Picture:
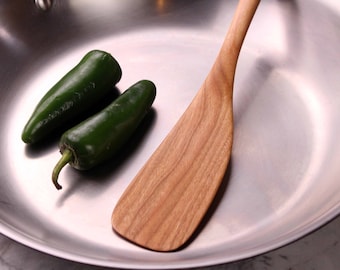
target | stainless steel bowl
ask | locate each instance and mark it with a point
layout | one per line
(283, 178)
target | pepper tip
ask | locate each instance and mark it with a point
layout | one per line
(66, 157)
(57, 185)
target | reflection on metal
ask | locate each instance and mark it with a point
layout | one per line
(44, 4)
(10, 41)
(160, 5)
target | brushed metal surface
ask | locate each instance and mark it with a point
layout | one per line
(283, 178)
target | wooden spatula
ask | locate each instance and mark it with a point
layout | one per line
(166, 201)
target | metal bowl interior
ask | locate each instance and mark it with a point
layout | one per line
(282, 181)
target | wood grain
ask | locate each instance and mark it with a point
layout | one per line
(168, 198)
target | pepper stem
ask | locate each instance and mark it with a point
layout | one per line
(66, 157)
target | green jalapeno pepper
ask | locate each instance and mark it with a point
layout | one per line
(82, 87)
(99, 137)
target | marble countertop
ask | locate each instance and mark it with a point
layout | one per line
(317, 251)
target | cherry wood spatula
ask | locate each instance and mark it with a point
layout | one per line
(165, 203)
